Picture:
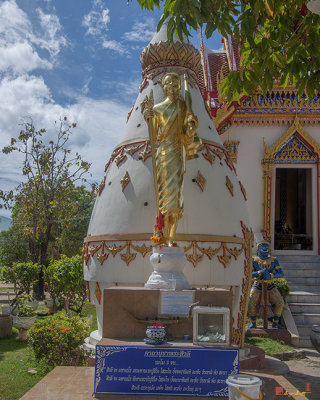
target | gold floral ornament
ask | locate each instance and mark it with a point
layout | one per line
(102, 256)
(128, 257)
(125, 180)
(200, 181)
(143, 249)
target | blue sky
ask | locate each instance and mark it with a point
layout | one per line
(78, 58)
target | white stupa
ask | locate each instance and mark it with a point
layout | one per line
(214, 229)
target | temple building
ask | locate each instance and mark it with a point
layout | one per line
(274, 142)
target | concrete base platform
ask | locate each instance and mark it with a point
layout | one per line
(76, 383)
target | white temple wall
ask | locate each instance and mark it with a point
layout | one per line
(249, 167)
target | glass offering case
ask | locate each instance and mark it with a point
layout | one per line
(211, 326)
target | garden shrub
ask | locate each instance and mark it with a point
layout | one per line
(66, 283)
(283, 287)
(22, 275)
(56, 340)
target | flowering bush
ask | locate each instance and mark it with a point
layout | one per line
(56, 340)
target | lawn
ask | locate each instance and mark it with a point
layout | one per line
(268, 345)
(16, 358)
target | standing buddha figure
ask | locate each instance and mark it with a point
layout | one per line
(173, 127)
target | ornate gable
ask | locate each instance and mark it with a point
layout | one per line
(294, 146)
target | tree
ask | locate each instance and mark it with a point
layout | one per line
(13, 246)
(278, 39)
(46, 196)
(66, 283)
(74, 226)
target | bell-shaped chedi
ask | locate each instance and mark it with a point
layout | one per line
(213, 226)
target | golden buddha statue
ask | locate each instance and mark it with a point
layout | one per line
(172, 127)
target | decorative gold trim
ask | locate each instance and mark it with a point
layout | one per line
(194, 258)
(101, 186)
(143, 250)
(163, 55)
(222, 114)
(232, 148)
(125, 180)
(183, 237)
(238, 332)
(200, 181)
(243, 190)
(272, 157)
(128, 257)
(296, 127)
(98, 293)
(273, 119)
(229, 185)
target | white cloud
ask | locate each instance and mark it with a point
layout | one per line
(52, 40)
(141, 31)
(14, 23)
(19, 42)
(115, 46)
(85, 87)
(99, 123)
(20, 58)
(97, 20)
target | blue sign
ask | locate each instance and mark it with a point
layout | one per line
(164, 370)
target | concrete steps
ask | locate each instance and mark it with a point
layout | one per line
(303, 276)
(301, 307)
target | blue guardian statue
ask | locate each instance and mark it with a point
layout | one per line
(264, 269)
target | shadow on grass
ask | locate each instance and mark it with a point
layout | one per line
(11, 344)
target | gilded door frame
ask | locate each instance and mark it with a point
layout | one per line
(284, 152)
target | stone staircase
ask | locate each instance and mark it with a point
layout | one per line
(303, 276)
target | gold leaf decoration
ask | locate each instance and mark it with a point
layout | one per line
(194, 258)
(102, 257)
(101, 186)
(128, 257)
(125, 180)
(94, 249)
(243, 190)
(232, 148)
(118, 160)
(142, 249)
(200, 181)
(229, 185)
(114, 250)
(98, 293)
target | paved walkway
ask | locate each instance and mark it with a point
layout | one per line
(294, 379)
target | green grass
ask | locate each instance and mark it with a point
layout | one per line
(90, 310)
(15, 359)
(270, 346)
